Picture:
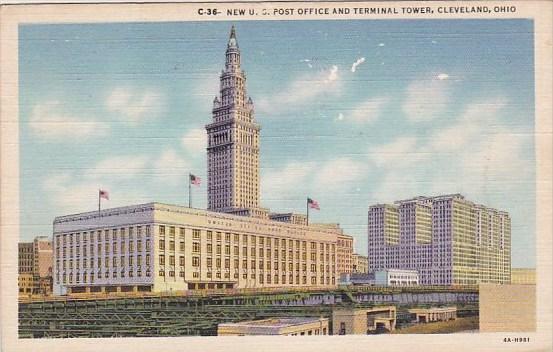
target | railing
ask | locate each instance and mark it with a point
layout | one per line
(248, 292)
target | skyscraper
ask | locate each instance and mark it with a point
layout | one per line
(447, 239)
(233, 143)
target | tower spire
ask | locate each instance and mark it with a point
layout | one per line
(232, 42)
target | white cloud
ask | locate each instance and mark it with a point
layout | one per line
(119, 166)
(442, 76)
(195, 141)
(475, 155)
(357, 63)
(303, 90)
(340, 117)
(170, 167)
(338, 174)
(332, 75)
(286, 180)
(308, 62)
(426, 99)
(134, 106)
(129, 179)
(49, 120)
(206, 88)
(394, 154)
(497, 160)
(369, 110)
(471, 126)
(70, 194)
(299, 178)
(381, 44)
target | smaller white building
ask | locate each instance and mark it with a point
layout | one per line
(396, 277)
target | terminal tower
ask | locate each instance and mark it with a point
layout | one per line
(233, 143)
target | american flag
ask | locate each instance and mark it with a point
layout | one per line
(313, 204)
(103, 194)
(195, 180)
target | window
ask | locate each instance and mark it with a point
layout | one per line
(171, 245)
(209, 235)
(209, 262)
(162, 230)
(196, 234)
(172, 260)
(161, 259)
(195, 261)
(181, 260)
(181, 246)
(196, 247)
(162, 245)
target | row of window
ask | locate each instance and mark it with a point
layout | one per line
(70, 278)
(123, 261)
(104, 235)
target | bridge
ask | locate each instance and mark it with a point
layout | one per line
(198, 313)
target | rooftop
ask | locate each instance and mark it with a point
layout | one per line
(146, 213)
(274, 322)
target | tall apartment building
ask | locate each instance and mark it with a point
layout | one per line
(447, 239)
(35, 266)
(234, 244)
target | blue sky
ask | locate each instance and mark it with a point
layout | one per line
(352, 113)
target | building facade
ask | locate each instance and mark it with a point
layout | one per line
(396, 277)
(276, 326)
(345, 252)
(25, 257)
(35, 266)
(160, 247)
(523, 276)
(362, 321)
(233, 143)
(360, 263)
(447, 239)
(427, 315)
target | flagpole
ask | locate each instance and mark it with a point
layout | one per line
(307, 207)
(99, 200)
(189, 191)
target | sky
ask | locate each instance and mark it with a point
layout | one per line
(353, 113)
